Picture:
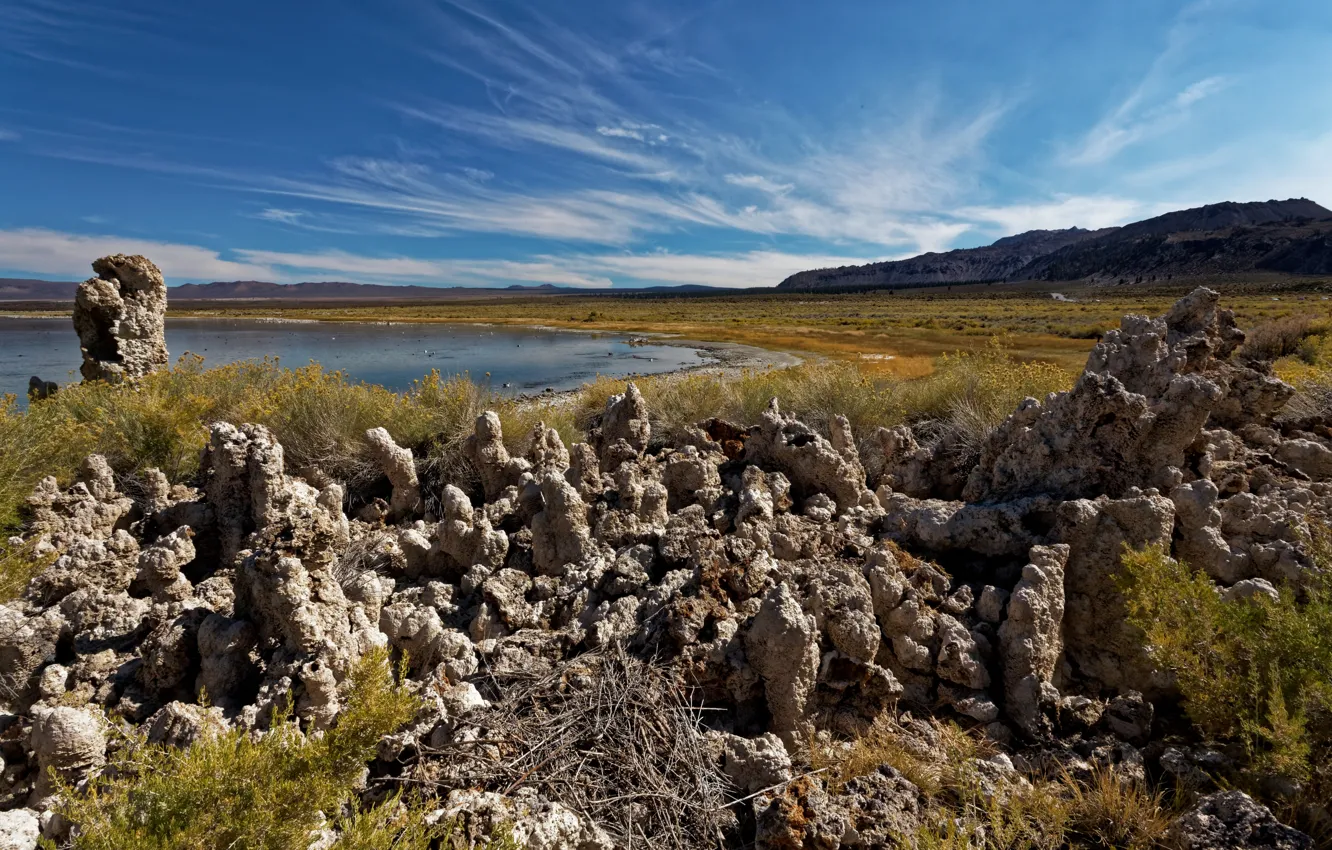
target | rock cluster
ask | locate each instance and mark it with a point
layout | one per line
(119, 316)
(783, 585)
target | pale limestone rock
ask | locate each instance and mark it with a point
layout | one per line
(67, 742)
(19, 830)
(959, 660)
(625, 429)
(753, 764)
(532, 821)
(560, 534)
(990, 606)
(400, 469)
(119, 316)
(811, 463)
(1097, 636)
(180, 724)
(1030, 640)
(465, 538)
(492, 460)
(1235, 821)
(584, 472)
(782, 645)
(160, 566)
(691, 478)
(1147, 391)
(843, 607)
(546, 451)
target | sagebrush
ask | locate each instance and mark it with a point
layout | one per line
(239, 791)
(1256, 672)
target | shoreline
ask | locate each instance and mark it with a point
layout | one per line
(730, 359)
(719, 359)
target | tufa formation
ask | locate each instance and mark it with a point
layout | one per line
(119, 316)
(760, 572)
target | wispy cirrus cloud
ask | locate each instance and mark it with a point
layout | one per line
(734, 269)
(604, 158)
(759, 183)
(443, 272)
(55, 253)
(282, 216)
(1140, 117)
(1088, 211)
(1162, 100)
(515, 132)
(882, 189)
(69, 32)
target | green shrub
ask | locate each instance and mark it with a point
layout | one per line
(34, 444)
(18, 564)
(393, 825)
(1288, 335)
(1257, 672)
(240, 792)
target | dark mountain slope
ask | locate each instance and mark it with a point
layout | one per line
(991, 262)
(1282, 236)
(1297, 244)
(1224, 215)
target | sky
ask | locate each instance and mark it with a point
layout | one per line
(634, 142)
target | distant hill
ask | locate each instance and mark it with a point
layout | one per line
(1294, 245)
(999, 261)
(1293, 236)
(14, 289)
(23, 289)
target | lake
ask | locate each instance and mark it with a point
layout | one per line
(518, 359)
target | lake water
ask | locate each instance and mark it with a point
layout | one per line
(518, 359)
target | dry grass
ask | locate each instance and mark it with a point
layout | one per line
(612, 737)
(1104, 810)
(936, 766)
(960, 402)
(1109, 810)
(885, 333)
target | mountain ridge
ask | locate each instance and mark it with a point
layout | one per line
(1292, 236)
(27, 289)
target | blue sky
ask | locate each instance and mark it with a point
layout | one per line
(630, 143)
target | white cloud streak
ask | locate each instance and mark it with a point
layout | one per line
(739, 269)
(515, 132)
(281, 216)
(1091, 212)
(1157, 104)
(50, 252)
(1134, 121)
(610, 164)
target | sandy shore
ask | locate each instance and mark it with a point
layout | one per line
(729, 360)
